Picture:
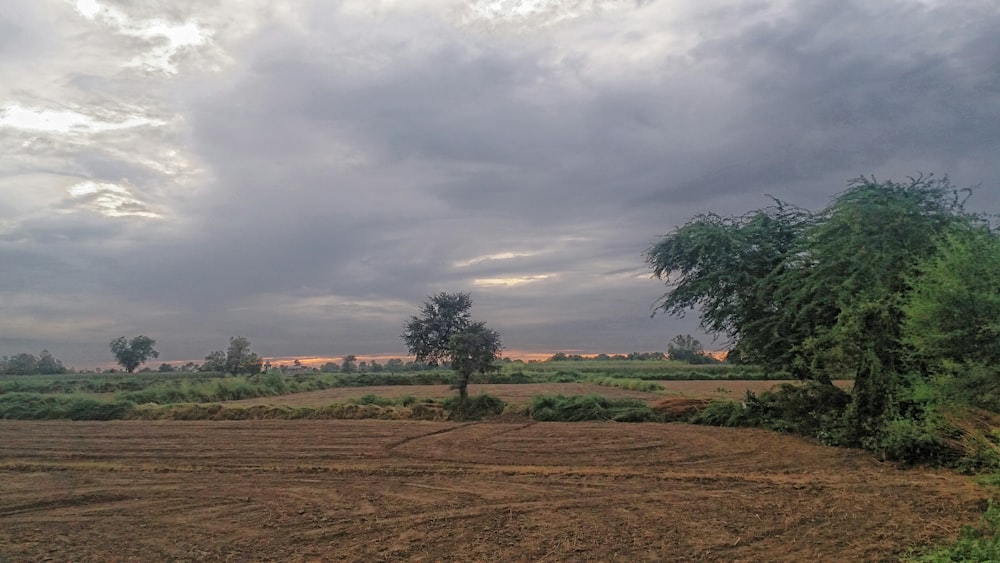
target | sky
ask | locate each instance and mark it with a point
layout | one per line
(305, 173)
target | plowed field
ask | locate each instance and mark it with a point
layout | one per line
(420, 491)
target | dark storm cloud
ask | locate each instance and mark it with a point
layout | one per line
(347, 165)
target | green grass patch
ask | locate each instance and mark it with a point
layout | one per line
(628, 384)
(33, 406)
(559, 408)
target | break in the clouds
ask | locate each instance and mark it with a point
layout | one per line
(305, 173)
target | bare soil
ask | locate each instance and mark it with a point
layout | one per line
(348, 490)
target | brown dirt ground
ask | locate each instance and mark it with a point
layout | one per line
(421, 491)
(520, 393)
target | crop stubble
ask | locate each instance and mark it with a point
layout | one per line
(392, 490)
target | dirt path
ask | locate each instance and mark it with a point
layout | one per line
(421, 491)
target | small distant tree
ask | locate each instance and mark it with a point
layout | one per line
(22, 364)
(686, 348)
(329, 367)
(348, 365)
(239, 358)
(131, 353)
(214, 361)
(165, 368)
(48, 364)
(444, 331)
(394, 365)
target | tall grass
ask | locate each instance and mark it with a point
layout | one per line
(33, 406)
(559, 408)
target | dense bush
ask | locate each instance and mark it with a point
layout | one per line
(30, 406)
(559, 408)
(629, 384)
(476, 407)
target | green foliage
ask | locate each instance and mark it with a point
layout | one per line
(131, 353)
(559, 408)
(428, 336)
(28, 364)
(371, 399)
(954, 310)
(444, 331)
(629, 384)
(239, 358)
(811, 409)
(685, 348)
(29, 406)
(476, 407)
(724, 267)
(818, 294)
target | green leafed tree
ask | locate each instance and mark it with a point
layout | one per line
(47, 364)
(349, 364)
(239, 358)
(131, 353)
(214, 361)
(22, 364)
(444, 332)
(815, 293)
(953, 312)
(686, 348)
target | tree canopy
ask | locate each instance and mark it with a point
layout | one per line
(131, 353)
(444, 331)
(821, 293)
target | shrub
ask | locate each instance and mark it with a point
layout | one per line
(475, 407)
(371, 399)
(551, 408)
(32, 406)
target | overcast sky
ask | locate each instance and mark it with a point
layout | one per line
(305, 173)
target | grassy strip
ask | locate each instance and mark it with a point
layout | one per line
(629, 384)
(650, 370)
(558, 408)
(26, 406)
(31, 406)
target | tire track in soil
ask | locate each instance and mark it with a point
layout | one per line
(408, 439)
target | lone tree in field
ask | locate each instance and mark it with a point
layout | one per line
(445, 331)
(130, 354)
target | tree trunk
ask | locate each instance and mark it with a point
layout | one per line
(463, 386)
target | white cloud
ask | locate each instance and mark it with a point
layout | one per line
(497, 256)
(111, 200)
(65, 121)
(160, 57)
(512, 281)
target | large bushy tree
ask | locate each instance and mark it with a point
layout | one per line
(444, 331)
(816, 293)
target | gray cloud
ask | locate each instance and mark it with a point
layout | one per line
(315, 172)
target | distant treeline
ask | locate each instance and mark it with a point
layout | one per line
(29, 364)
